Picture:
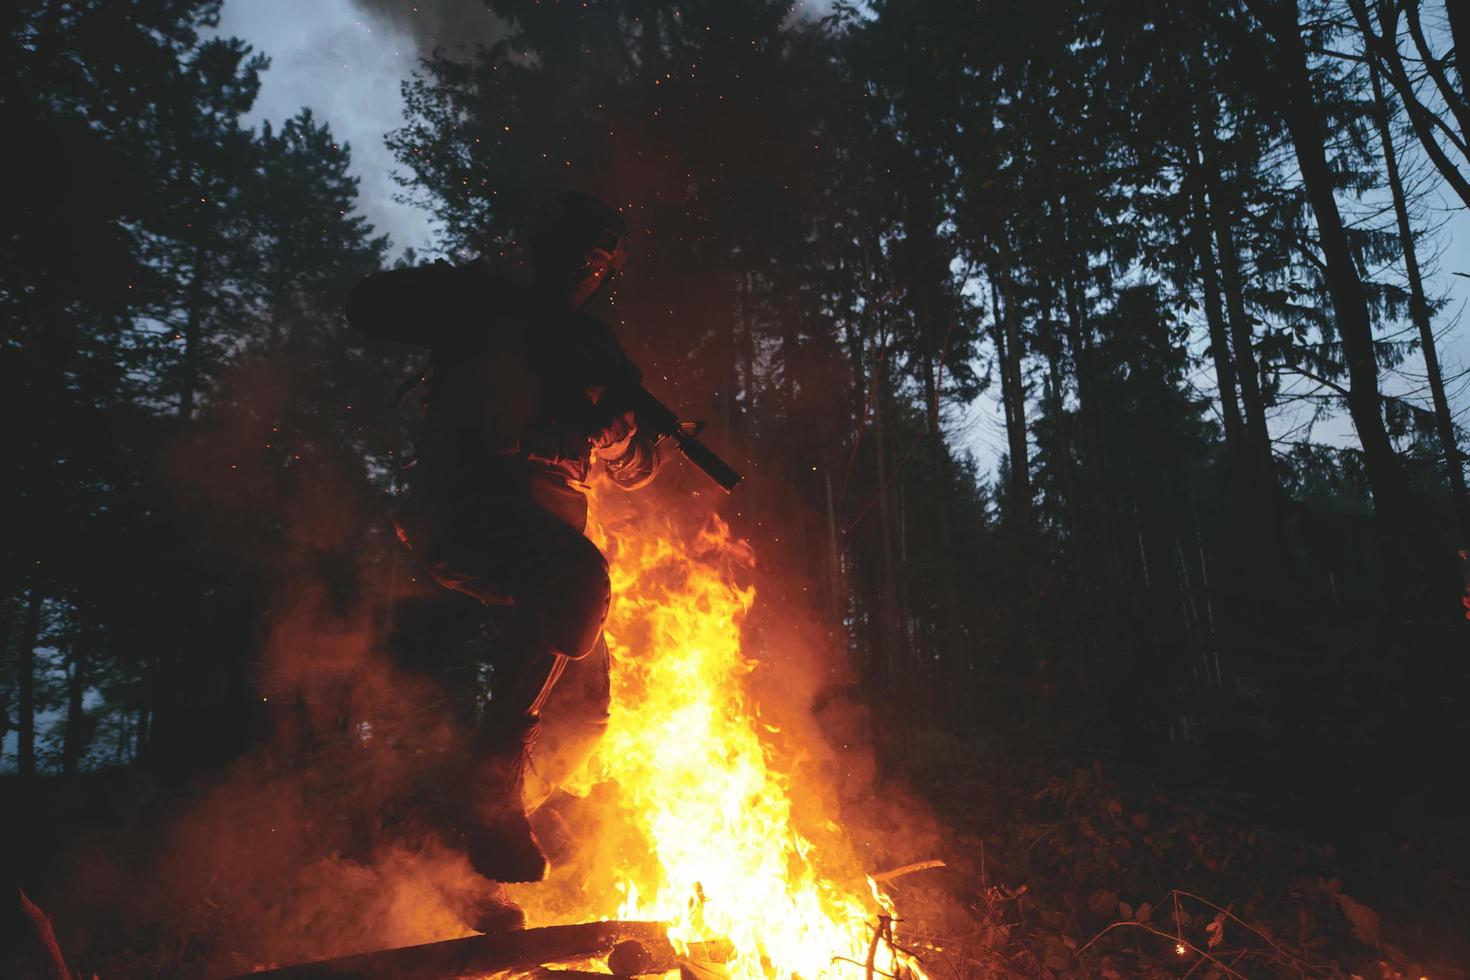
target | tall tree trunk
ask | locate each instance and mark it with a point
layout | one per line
(73, 742)
(193, 337)
(1452, 97)
(1459, 17)
(953, 645)
(1219, 342)
(1299, 108)
(890, 603)
(1095, 481)
(937, 313)
(1007, 335)
(1256, 460)
(798, 466)
(747, 349)
(1419, 311)
(142, 732)
(728, 335)
(1381, 42)
(1057, 410)
(25, 748)
(834, 553)
(1067, 437)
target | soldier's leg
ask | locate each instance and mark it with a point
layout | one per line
(555, 583)
(552, 581)
(572, 723)
(522, 556)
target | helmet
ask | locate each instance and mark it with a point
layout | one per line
(576, 245)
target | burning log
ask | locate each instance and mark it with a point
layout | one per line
(702, 970)
(478, 955)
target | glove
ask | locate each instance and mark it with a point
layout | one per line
(612, 441)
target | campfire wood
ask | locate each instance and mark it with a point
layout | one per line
(478, 955)
(702, 970)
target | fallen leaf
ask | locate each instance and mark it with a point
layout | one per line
(1216, 929)
(1366, 925)
(1103, 901)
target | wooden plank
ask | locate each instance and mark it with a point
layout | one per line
(476, 955)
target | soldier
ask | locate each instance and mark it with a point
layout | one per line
(524, 393)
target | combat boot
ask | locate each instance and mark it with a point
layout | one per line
(501, 845)
(497, 913)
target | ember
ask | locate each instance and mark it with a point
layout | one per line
(709, 834)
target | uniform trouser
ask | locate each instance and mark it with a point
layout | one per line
(572, 723)
(523, 555)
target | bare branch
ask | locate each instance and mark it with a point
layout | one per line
(1311, 376)
(1422, 119)
(1435, 67)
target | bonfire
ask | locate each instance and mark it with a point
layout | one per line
(708, 833)
(706, 841)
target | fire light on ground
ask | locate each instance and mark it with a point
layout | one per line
(706, 832)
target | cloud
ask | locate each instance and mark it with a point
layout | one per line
(455, 26)
(347, 64)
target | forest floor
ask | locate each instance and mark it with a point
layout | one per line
(1086, 869)
(1061, 866)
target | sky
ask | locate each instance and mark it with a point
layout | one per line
(347, 66)
(346, 60)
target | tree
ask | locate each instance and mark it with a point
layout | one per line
(198, 235)
(74, 275)
(1419, 310)
(135, 275)
(1380, 29)
(1298, 106)
(309, 245)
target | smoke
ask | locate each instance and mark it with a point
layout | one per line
(316, 842)
(312, 845)
(456, 27)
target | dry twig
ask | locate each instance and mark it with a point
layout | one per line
(45, 938)
(1229, 972)
(908, 869)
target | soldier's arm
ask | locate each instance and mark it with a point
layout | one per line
(633, 461)
(636, 464)
(426, 305)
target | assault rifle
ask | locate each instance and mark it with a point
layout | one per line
(588, 342)
(656, 417)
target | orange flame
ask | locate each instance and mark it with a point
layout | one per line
(707, 833)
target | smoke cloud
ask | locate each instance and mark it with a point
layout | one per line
(454, 26)
(315, 842)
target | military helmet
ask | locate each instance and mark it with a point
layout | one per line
(576, 244)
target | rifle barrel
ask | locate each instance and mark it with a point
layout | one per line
(705, 458)
(657, 417)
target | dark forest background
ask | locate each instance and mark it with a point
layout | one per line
(1146, 227)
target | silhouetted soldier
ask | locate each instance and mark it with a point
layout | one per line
(523, 395)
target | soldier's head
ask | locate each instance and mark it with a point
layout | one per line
(576, 246)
